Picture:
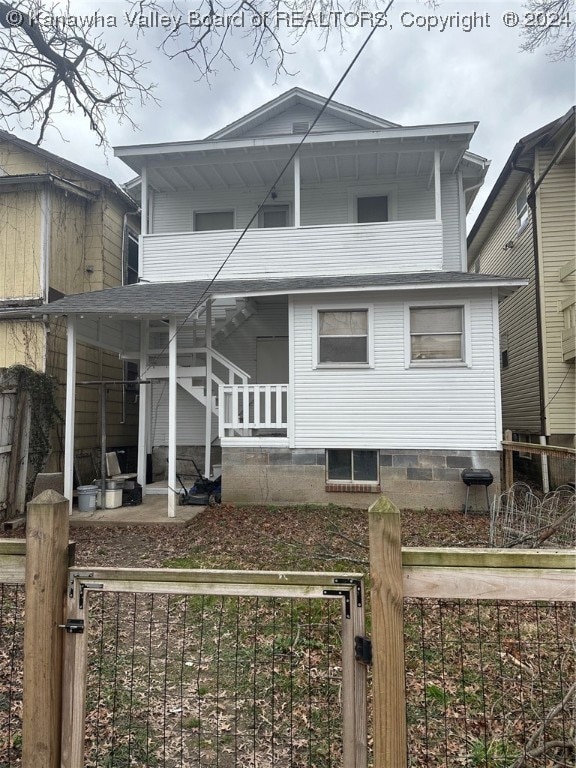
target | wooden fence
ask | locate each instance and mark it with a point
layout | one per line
(53, 588)
(558, 463)
(14, 435)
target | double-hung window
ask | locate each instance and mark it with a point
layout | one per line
(343, 337)
(437, 334)
(522, 211)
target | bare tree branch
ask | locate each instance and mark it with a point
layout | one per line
(44, 72)
(550, 24)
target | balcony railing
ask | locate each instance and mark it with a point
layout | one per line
(392, 247)
(253, 410)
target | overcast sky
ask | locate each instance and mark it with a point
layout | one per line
(407, 74)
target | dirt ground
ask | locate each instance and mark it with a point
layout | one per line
(264, 537)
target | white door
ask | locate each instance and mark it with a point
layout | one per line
(272, 360)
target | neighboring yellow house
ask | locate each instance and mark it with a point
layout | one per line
(63, 230)
(527, 228)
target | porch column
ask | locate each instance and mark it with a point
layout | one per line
(437, 186)
(172, 392)
(143, 397)
(297, 190)
(208, 432)
(70, 410)
(144, 202)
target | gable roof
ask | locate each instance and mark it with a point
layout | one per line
(50, 157)
(512, 175)
(290, 99)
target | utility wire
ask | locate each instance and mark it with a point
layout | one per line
(269, 192)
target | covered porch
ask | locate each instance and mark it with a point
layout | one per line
(189, 391)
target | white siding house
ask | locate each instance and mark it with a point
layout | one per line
(304, 317)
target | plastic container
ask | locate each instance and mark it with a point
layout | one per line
(87, 498)
(113, 499)
(111, 484)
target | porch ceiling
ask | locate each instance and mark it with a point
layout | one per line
(250, 167)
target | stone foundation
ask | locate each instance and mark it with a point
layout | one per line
(411, 479)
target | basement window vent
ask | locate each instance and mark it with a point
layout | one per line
(300, 127)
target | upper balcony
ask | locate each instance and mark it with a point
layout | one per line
(387, 200)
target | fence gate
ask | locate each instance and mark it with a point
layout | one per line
(213, 668)
(14, 434)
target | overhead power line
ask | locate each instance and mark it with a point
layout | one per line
(270, 190)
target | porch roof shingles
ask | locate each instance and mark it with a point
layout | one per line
(181, 297)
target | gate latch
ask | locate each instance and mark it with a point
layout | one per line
(73, 626)
(363, 650)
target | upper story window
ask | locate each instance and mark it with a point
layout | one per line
(522, 211)
(343, 337)
(504, 359)
(206, 221)
(437, 334)
(131, 259)
(371, 209)
(273, 216)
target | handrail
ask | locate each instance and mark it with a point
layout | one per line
(221, 359)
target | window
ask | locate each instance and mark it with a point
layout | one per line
(131, 260)
(436, 334)
(343, 337)
(212, 220)
(371, 209)
(504, 362)
(273, 216)
(352, 466)
(522, 211)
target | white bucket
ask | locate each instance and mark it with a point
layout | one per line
(87, 498)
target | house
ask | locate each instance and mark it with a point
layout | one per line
(63, 230)
(528, 227)
(305, 319)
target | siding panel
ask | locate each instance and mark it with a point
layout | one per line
(390, 406)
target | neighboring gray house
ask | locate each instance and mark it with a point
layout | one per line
(528, 227)
(339, 348)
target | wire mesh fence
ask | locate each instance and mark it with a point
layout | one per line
(521, 518)
(490, 684)
(213, 681)
(11, 673)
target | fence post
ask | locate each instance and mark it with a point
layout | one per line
(46, 575)
(390, 740)
(508, 461)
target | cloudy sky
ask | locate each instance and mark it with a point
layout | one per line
(407, 74)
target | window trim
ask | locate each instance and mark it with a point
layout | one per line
(504, 350)
(351, 482)
(521, 223)
(466, 361)
(213, 210)
(269, 206)
(389, 191)
(316, 364)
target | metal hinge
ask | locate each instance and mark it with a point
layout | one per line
(73, 626)
(345, 593)
(363, 649)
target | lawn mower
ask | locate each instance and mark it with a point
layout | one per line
(204, 492)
